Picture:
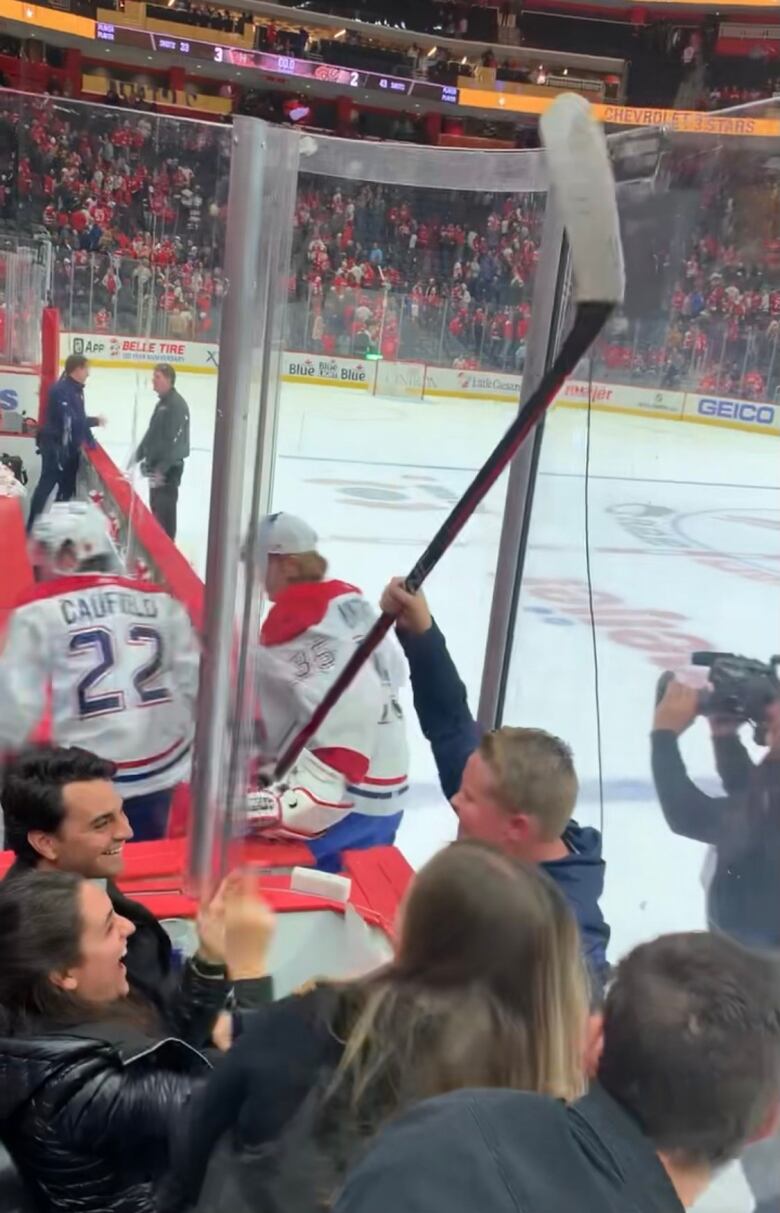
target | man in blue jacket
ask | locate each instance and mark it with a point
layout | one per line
(514, 788)
(66, 429)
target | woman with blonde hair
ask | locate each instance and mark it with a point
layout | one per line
(486, 989)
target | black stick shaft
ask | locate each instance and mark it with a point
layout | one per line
(588, 323)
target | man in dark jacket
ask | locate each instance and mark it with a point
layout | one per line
(742, 829)
(66, 429)
(532, 821)
(164, 447)
(62, 812)
(689, 1075)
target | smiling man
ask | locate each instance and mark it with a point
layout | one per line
(62, 812)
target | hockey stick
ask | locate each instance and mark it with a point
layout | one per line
(581, 177)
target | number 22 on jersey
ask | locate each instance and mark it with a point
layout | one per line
(108, 687)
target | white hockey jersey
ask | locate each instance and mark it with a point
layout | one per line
(120, 661)
(308, 637)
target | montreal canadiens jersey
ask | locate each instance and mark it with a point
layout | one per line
(309, 635)
(119, 661)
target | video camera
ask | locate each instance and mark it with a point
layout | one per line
(739, 687)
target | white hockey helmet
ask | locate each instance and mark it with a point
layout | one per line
(68, 535)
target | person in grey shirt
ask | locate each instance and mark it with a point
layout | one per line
(164, 447)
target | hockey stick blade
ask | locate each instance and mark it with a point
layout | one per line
(585, 193)
(584, 190)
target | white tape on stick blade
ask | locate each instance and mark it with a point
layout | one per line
(584, 188)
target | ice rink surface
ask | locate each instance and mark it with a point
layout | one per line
(683, 523)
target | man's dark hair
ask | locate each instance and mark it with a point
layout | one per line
(74, 362)
(692, 1044)
(167, 370)
(31, 794)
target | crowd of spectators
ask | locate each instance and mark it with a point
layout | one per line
(726, 96)
(718, 323)
(433, 275)
(134, 209)
(206, 16)
(414, 275)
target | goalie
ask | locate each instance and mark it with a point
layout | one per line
(345, 790)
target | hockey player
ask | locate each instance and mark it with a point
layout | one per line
(119, 657)
(345, 790)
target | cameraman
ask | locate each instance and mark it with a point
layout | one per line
(743, 827)
(743, 830)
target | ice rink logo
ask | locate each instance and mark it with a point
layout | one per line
(114, 347)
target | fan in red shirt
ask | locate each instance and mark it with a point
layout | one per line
(456, 324)
(168, 300)
(79, 220)
(390, 342)
(754, 385)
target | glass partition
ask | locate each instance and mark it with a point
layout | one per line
(654, 535)
(370, 414)
(407, 317)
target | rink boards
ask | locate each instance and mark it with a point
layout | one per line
(425, 381)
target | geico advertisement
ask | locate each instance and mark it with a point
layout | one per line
(724, 410)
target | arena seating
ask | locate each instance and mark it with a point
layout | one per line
(135, 208)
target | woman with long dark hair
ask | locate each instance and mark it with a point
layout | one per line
(486, 989)
(93, 1087)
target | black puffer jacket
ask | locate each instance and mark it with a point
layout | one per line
(155, 978)
(89, 1113)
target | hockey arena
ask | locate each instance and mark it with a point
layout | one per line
(638, 525)
(669, 567)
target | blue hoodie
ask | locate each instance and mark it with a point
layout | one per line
(442, 708)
